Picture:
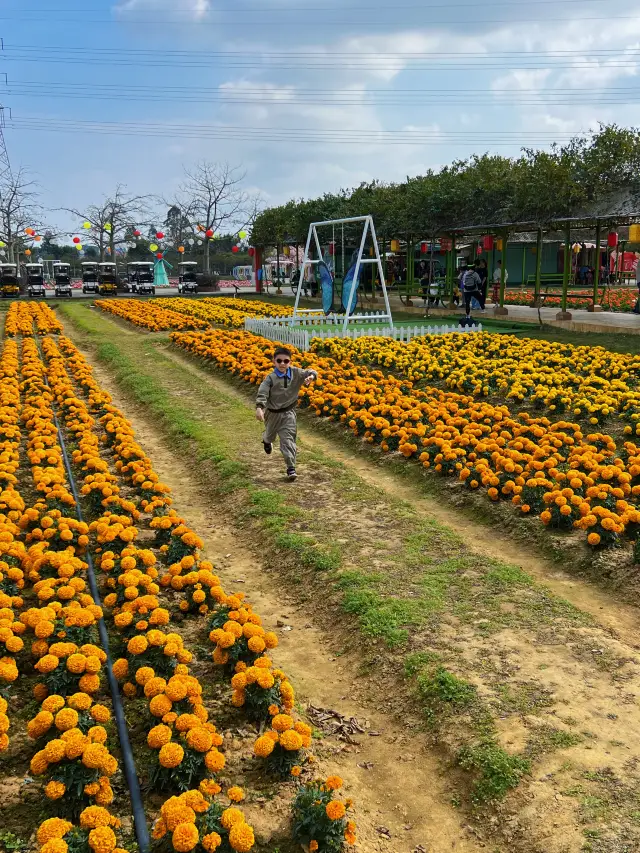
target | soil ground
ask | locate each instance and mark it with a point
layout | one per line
(459, 647)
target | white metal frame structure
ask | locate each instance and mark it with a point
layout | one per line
(369, 228)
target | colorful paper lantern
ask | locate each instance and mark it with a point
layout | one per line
(108, 226)
(445, 244)
(2, 244)
(153, 247)
(27, 252)
(181, 249)
(252, 251)
(242, 235)
(159, 256)
(576, 248)
(76, 239)
(209, 233)
(86, 226)
(37, 238)
(612, 239)
(235, 249)
(487, 243)
(424, 247)
(136, 233)
(287, 250)
(395, 245)
(499, 244)
(478, 250)
(159, 235)
(634, 233)
(79, 246)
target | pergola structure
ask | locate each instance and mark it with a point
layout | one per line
(566, 229)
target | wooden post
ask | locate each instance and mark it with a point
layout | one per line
(500, 310)
(563, 314)
(596, 270)
(539, 248)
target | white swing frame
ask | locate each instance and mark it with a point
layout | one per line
(369, 228)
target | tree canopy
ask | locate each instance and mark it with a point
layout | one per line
(538, 187)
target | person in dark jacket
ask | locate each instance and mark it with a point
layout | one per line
(483, 275)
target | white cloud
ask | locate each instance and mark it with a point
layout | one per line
(189, 9)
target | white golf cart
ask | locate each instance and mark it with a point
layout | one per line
(140, 277)
(9, 282)
(89, 277)
(107, 279)
(35, 280)
(187, 277)
(62, 279)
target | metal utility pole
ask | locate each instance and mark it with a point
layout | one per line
(5, 165)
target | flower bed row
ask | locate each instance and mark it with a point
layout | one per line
(554, 470)
(21, 317)
(149, 314)
(221, 311)
(141, 596)
(590, 383)
(618, 299)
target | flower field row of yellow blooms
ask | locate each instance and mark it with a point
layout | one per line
(149, 314)
(21, 317)
(155, 663)
(551, 469)
(589, 383)
(221, 311)
(41, 563)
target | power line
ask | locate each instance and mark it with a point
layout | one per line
(338, 98)
(5, 165)
(320, 22)
(361, 136)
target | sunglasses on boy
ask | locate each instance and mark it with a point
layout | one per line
(283, 361)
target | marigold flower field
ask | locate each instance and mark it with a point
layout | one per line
(550, 428)
(153, 580)
(159, 315)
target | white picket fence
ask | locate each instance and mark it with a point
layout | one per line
(301, 337)
(312, 317)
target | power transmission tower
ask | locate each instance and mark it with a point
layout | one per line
(5, 165)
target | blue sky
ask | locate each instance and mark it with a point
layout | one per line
(273, 80)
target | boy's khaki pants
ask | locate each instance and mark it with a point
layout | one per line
(285, 426)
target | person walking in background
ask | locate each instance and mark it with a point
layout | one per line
(497, 280)
(470, 289)
(483, 274)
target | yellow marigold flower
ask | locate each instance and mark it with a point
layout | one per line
(52, 828)
(282, 722)
(333, 783)
(171, 755)
(66, 718)
(100, 713)
(263, 747)
(158, 736)
(55, 845)
(214, 761)
(54, 790)
(53, 703)
(160, 705)
(185, 837)
(296, 770)
(95, 816)
(211, 842)
(291, 741)
(230, 817)
(199, 739)
(235, 794)
(313, 846)
(209, 788)
(241, 837)
(102, 839)
(335, 810)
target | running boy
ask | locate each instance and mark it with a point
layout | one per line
(276, 406)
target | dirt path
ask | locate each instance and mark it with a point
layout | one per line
(622, 620)
(397, 786)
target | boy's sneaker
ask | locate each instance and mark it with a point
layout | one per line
(267, 447)
(291, 474)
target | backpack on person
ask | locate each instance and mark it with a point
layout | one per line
(471, 280)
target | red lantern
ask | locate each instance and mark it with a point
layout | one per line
(159, 256)
(76, 239)
(252, 251)
(235, 249)
(487, 243)
(445, 244)
(136, 233)
(332, 248)
(478, 250)
(159, 235)
(424, 247)
(612, 239)
(209, 233)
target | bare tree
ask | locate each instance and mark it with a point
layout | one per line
(113, 222)
(18, 210)
(212, 198)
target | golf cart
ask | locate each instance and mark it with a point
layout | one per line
(187, 277)
(35, 280)
(107, 279)
(89, 277)
(9, 285)
(62, 279)
(140, 277)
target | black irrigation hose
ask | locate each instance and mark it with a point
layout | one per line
(133, 783)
